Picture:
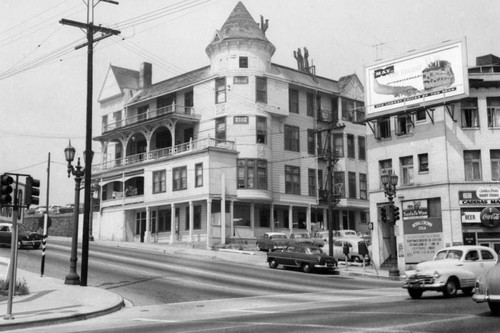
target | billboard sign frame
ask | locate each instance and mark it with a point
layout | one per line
(427, 78)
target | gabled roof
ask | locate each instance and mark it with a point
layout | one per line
(172, 85)
(117, 79)
(239, 25)
(126, 78)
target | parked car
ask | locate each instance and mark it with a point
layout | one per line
(344, 233)
(54, 209)
(303, 237)
(40, 210)
(357, 249)
(323, 235)
(487, 289)
(451, 269)
(306, 257)
(271, 241)
(25, 237)
(366, 235)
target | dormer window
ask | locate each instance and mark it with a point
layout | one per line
(243, 62)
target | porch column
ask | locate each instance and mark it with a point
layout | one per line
(290, 219)
(172, 223)
(252, 218)
(272, 217)
(223, 209)
(191, 221)
(231, 216)
(308, 218)
(147, 234)
(209, 222)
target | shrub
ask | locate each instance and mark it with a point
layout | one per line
(20, 289)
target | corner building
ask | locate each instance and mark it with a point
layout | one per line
(447, 158)
(230, 150)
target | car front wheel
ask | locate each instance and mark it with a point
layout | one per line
(307, 268)
(273, 263)
(415, 293)
(450, 288)
(495, 308)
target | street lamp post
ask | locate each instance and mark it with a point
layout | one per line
(390, 181)
(78, 172)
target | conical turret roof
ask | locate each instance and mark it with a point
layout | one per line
(239, 25)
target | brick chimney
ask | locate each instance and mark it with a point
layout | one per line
(145, 75)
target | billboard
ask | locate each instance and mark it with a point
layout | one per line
(422, 79)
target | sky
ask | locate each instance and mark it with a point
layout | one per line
(43, 79)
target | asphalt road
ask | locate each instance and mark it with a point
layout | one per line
(177, 293)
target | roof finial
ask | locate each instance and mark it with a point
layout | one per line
(263, 26)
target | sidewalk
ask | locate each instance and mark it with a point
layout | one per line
(51, 301)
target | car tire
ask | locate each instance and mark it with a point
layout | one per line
(450, 288)
(356, 259)
(273, 263)
(259, 248)
(307, 268)
(467, 291)
(415, 293)
(494, 308)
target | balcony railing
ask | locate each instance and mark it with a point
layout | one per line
(164, 152)
(150, 114)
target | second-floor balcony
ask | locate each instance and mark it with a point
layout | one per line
(152, 155)
(151, 114)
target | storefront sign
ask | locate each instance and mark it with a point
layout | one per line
(421, 247)
(471, 217)
(415, 209)
(482, 196)
(490, 217)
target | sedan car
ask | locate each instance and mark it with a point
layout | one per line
(271, 241)
(303, 237)
(305, 257)
(487, 289)
(452, 268)
(25, 238)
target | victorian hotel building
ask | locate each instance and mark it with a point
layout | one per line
(435, 123)
(231, 150)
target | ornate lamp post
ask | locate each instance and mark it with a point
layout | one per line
(78, 171)
(390, 181)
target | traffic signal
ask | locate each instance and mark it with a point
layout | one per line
(395, 213)
(6, 189)
(31, 191)
(383, 214)
(390, 213)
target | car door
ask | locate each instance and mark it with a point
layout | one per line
(474, 263)
(5, 234)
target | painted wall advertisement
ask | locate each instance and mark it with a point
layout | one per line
(424, 78)
(423, 234)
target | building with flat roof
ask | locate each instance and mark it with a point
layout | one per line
(445, 153)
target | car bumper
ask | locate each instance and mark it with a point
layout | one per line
(31, 242)
(424, 284)
(480, 297)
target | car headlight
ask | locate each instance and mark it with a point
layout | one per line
(436, 274)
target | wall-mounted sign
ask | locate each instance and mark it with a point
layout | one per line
(488, 193)
(471, 217)
(421, 79)
(415, 209)
(490, 217)
(481, 196)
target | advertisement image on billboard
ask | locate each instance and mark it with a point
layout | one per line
(422, 79)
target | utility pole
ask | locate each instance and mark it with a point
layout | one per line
(91, 29)
(332, 198)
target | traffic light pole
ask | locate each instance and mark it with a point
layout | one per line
(13, 253)
(91, 29)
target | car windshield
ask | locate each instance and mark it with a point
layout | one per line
(448, 254)
(278, 236)
(314, 250)
(350, 233)
(301, 236)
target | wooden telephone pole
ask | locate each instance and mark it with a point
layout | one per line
(91, 30)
